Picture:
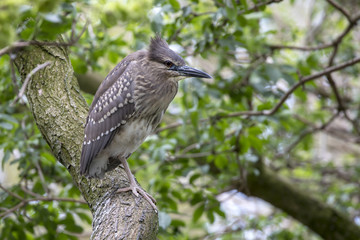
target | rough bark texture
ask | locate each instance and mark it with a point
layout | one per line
(319, 217)
(60, 112)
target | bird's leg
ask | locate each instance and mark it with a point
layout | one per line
(134, 187)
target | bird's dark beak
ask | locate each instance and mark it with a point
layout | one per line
(191, 72)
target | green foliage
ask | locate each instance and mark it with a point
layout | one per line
(186, 167)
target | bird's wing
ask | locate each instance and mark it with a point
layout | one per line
(114, 75)
(113, 107)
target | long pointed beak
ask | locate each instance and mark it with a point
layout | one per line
(191, 72)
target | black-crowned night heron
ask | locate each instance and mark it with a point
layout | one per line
(127, 108)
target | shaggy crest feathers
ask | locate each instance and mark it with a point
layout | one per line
(159, 51)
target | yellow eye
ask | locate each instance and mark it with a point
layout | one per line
(168, 64)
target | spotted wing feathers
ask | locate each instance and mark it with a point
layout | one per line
(108, 113)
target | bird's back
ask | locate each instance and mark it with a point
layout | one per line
(112, 107)
(127, 107)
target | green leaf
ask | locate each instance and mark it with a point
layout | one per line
(170, 203)
(194, 177)
(198, 212)
(194, 116)
(198, 197)
(255, 142)
(241, 20)
(5, 158)
(244, 3)
(231, 13)
(175, 4)
(265, 106)
(219, 212)
(221, 161)
(210, 216)
(177, 223)
(244, 144)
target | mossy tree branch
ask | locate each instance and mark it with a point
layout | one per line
(60, 111)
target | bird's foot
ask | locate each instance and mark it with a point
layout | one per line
(136, 191)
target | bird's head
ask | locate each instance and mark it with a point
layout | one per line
(170, 64)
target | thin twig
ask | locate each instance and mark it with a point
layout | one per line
(13, 76)
(292, 89)
(336, 43)
(169, 126)
(26, 190)
(299, 48)
(41, 176)
(37, 197)
(196, 155)
(17, 45)
(340, 8)
(307, 132)
(27, 79)
(13, 209)
(337, 40)
(10, 192)
(194, 15)
(259, 5)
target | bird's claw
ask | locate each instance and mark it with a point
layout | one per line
(136, 191)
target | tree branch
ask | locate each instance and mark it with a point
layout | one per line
(299, 48)
(60, 112)
(340, 9)
(313, 130)
(19, 45)
(302, 81)
(37, 197)
(259, 5)
(320, 218)
(336, 41)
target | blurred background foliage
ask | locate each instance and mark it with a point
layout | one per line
(204, 142)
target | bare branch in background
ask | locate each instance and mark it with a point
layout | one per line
(13, 76)
(292, 89)
(340, 8)
(259, 5)
(307, 132)
(17, 45)
(334, 43)
(37, 197)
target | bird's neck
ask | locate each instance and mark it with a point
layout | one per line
(157, 96)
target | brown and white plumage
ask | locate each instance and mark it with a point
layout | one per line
(129, 105)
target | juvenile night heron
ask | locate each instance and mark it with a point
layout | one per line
(128, 106)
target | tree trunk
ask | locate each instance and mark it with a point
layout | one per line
(60, 112)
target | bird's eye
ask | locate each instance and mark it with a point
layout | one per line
(169, 64)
